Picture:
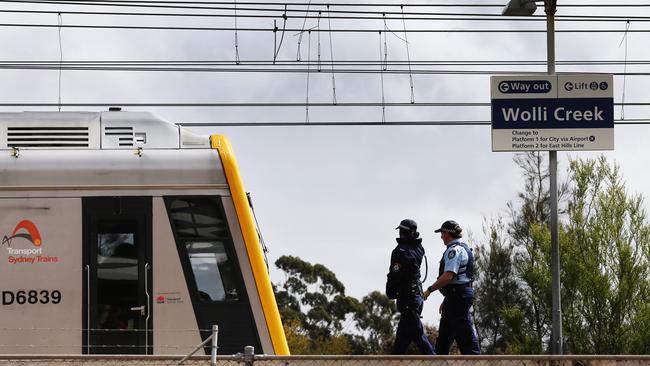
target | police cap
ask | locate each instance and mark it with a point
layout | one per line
(450, 226)
(408, 225)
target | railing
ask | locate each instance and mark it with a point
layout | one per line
(250, 359)
(44, 355)
(48, 340)
(213, 353)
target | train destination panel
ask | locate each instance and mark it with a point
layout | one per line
(552, 112)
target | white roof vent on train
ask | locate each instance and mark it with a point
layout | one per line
(94, 130)
(67, 130)
(126, 130)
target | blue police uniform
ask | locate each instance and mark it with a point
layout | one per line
(456, 321)
(404, 285)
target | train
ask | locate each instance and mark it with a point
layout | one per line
(124, 233)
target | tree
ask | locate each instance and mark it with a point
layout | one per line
(313, 304)
(528, 231)
(606, 262)
(605, 269)
(320, 319)
(377, 321)
(512, 306)
(500, 307)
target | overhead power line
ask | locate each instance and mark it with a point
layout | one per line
(277, 104)
(378, 15)
(293, 62)
(251, 105)
(298, 30)
(475, 4)
(239, 67)
(458, 123)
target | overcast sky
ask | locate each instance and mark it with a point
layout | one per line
(333, 195)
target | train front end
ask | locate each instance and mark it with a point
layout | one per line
(126, 234)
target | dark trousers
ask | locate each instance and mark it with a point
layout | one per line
(456, 323)
(410, 327)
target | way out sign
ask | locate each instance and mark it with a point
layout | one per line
(552, 112)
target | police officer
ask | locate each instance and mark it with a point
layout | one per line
(404, 285)
(455, 283)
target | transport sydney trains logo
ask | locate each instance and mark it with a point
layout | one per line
(26, 231)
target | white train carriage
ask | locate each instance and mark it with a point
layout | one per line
(123, 233)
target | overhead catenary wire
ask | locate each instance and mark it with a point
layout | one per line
(193, 4)
(381, 78)
(276, 51)
(350, 62)
(236, 35)
(480, 4)
(318, 45)
(288, 70)
(302, 31)
(625, 38)
(329, 22)
(380, 15)
(296, 30)
(408, 59)
(274, 104)
(458, 123)
(308, 75)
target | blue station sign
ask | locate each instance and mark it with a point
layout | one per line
(552, 112)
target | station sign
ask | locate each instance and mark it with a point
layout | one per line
(552, 112)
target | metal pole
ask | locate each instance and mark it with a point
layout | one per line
(249, 355)
(194, 350)
(213, 354)
(556, 331)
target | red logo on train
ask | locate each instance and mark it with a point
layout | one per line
(26, 230)
(22, 255)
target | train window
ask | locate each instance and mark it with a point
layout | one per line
(201, 230)
(116, 245)
(211, 269)
(117, 275)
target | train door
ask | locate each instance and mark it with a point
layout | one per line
(117, 277)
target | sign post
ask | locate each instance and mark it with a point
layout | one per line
(551, 113)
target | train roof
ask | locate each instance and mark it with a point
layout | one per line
(94, 130)
(63, 150)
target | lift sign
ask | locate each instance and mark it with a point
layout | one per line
(559, 112)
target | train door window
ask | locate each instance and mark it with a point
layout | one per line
(211, 268)
(117, 277)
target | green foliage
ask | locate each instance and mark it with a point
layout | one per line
(318, 317)
(499, 306)
(640, 342)
(314, 296)
(605, 269)
(513, 281)
(377, 322)
(300, 343)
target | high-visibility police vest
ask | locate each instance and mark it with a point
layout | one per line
(467, 268)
